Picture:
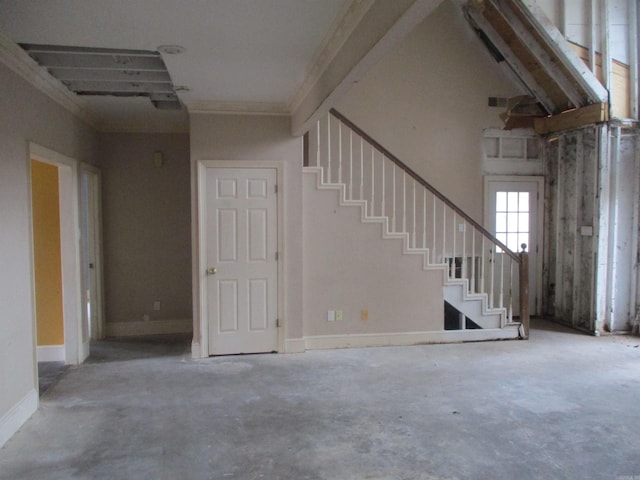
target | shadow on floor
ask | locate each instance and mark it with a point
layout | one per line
(132, 348)
(50, 373)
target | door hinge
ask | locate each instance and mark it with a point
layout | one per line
(275, 188)
(277, 323)
(277, 256)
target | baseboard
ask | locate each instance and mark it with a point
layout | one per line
(50, 353)
(294, 345)
(151, 327)
(321, 342)
(18, 415)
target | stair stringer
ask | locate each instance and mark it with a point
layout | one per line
(456, 290)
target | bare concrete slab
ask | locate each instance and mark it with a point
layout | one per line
(561, 405)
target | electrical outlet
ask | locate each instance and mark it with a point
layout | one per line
(338, 315)
(331, 315)
(364, 314)
(462, 228)
(156, 305)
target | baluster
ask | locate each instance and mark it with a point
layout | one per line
(501, 299)
(404, 202)
(329, 149)
(384, 193)
(510, 290)
(473, 261)
(463, 266)
(491, 272)
(393, 209)
(373, 167)
(318, 144)
(453, 253)
(482, 273)
(350, 164)
(433, 222)
(339, 152)
(361, 168)
(444, 232)
(414, 213)
(424, 217)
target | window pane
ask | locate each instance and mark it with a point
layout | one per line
(512, 222)
(523, 222)
(512, 241)
(524, 202)
(501, 222)
(512, 201)
(501, 201)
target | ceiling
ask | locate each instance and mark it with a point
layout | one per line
(239, 55)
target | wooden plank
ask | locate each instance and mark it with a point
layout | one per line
(595, 113)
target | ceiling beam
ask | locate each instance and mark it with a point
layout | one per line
(551, 65)
(381, 28)
(570, 59)
(480, 22)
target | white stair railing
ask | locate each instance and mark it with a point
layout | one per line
(410, 207)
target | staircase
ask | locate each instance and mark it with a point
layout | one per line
(480, 275)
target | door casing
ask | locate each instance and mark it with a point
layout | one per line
(76, 344)
(200, 346)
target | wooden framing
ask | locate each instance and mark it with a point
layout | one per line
(595, 113)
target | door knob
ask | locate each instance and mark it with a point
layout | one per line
(212, 271)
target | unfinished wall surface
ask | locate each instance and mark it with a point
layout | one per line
(571, 222)
(427, 103)
(25, 115)
(591, 218)
(350, 267)
(147, 237)
(256, 138)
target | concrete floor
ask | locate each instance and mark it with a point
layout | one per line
(562, 405)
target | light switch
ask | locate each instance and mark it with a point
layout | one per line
(331, 315)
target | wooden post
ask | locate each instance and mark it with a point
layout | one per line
(524, 291)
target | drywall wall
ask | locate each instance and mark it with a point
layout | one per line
(25, 115)
(426, 102)
(47, 254)
(256, 137)
(146, 232)
(350, 267)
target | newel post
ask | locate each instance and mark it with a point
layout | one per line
(524, 290)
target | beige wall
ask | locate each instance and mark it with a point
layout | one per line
(427, 103)
(349, 266)
(258, 137)
(147, 243)
(25, 115)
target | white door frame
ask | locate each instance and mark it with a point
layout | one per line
(97, 330)
(202, 318)
(539, 180)
(76, 347)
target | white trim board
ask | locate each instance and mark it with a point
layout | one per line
(11, 422)
(320, 342)
(50, 353)
(152, 327)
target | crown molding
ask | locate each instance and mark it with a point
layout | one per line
(23, 65)
(236, 108)
(343, 26)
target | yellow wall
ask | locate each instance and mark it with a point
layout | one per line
(47, 254)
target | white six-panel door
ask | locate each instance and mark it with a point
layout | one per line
(241, 260)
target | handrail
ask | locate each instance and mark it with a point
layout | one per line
(424, 183)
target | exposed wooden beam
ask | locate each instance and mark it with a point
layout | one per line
(556, 41)
(595, 113)
(480, 22)
(551, 65)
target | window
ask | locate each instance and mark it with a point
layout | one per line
(512, 219)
